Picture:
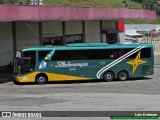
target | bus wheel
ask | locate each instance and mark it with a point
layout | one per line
(122, 75)
(108, 76)
(41, 79)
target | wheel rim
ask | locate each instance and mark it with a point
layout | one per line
(41, 79)
(109, 76)
(123, 76)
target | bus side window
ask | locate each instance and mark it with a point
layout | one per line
(81, 55)
(42, 54)
(146, 53)
(59, 55)
(69, 55)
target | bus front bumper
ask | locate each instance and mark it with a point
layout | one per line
(22, 79)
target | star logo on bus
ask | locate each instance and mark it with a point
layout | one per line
(136, 62)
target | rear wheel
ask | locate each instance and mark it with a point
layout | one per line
(108, 76)
(122, 75)
(41, 79)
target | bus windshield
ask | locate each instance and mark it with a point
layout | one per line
(24, 61)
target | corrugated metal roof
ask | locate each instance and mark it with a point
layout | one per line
(41, 13)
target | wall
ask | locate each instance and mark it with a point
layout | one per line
(92, 30)
(73, 27)
(108, 25)
(121, 37)
(112, 26)
(6, 44)
(52, 28)
(27, 34)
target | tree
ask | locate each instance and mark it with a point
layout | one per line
(8, 1)
(126, 3)
(152, 5)
(14, 1)
(147, 4)
(156, 7)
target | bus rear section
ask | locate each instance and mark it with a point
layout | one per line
(130, 62)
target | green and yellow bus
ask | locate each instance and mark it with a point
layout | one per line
(83, 61)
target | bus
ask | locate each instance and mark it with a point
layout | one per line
(83, 61)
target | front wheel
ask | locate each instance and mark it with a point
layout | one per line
(108, 76)
(122, 75)
(41, 79)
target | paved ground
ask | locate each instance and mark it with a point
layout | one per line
(132, 95)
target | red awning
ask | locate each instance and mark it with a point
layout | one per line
(42, 13)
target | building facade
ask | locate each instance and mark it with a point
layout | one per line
(23, 26)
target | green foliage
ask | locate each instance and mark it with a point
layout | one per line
(8, 1)
(14, 1)
(94, 3)
(88, 3)
(23, 2)
(149, 4)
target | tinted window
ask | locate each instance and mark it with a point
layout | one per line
(145, 53)
(93, 54)
(42, 54)
(81, 55)
(31, 54)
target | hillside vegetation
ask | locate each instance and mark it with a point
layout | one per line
(91, 3)
(107, 3)
(94, 3)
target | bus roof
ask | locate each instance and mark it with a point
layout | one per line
(83, 46)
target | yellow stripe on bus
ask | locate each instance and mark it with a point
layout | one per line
(51, 77)
(61, 77)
